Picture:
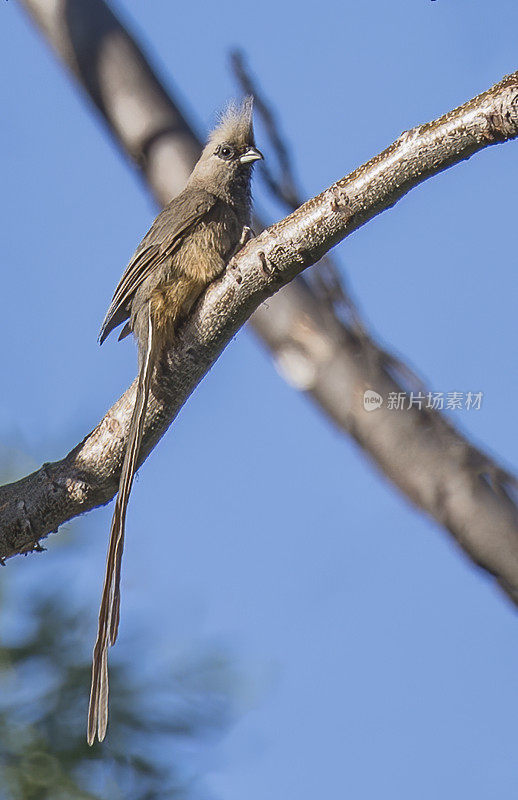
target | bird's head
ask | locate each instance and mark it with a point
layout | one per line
(225, 164)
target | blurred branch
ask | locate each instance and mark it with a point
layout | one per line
(431, 462)
(284, 187)
(325, 282)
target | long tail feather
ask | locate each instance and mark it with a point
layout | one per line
(109, 611)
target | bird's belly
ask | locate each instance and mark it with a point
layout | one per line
(201, 257)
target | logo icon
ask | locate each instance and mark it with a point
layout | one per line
(372, 400)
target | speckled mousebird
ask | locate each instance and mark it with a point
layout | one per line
(187, 246)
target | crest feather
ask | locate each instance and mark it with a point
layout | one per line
(235, 124)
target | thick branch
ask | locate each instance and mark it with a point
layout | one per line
(336, 363)
(87, 476)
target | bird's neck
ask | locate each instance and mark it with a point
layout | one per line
(236, 192)
(239, 195)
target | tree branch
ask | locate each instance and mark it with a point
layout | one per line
(456, 483)
(325, 282)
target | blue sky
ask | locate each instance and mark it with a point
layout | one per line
(374, 659)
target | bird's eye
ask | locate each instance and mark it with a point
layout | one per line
(226, 152)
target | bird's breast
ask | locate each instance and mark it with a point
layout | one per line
(205, 251)
(200, 258)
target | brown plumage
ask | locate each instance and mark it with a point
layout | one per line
(187, 247)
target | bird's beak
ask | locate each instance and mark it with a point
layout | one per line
(251, 155)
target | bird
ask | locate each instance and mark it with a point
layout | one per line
(188, 246)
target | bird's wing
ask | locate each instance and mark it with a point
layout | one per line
(159, 243)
